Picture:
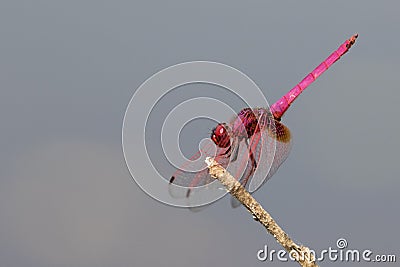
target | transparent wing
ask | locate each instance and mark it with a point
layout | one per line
(271, 151)
(270, 147)
(184, 183)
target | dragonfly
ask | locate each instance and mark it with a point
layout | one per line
(253, 144)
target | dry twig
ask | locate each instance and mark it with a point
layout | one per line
(300, 253)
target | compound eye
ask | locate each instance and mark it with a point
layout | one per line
(221, 130)
(220, 136)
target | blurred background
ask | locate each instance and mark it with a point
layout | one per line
(69, 68)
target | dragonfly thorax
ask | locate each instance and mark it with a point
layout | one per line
(245, 123)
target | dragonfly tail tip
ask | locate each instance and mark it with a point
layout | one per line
(353, 38)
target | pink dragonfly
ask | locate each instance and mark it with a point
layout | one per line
(253, 144)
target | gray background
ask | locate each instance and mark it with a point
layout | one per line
(68, 70)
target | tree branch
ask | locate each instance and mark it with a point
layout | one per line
(302, 254)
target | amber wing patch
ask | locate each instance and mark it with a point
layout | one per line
(280, 132)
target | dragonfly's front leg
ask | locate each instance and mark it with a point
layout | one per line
(252, 159)
(252, 162)
(235, 152)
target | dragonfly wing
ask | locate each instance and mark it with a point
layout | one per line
(235, 203)
(271, 151)
(192, 178)
(260, 150)
(283, 147)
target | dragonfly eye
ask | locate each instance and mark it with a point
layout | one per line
(220, 136)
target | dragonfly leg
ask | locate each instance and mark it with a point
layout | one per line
(235, 151)
(253, 160)
(253, 164)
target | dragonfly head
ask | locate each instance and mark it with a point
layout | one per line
(220, 135)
